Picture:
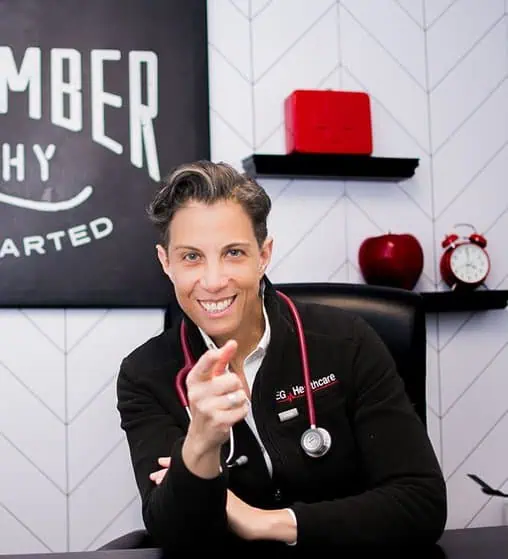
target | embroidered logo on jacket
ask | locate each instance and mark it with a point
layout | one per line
(298, 390)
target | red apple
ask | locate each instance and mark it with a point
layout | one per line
(394, 260)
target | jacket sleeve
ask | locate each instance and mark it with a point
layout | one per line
(183, 505)
(405, 501)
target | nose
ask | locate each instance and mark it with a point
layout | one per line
(214, 279)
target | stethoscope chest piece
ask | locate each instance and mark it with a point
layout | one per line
(316, 442)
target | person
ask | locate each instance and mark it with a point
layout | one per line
(220, 463)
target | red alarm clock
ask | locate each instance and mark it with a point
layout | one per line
(465, 263)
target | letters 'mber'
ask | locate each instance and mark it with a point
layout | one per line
(66, 105)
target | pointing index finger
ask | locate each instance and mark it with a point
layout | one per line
(213, 362)
(226, 354)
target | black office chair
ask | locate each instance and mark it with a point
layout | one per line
(137, 539)
(398, 317)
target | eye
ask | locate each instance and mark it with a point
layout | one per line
(191, 257)
(235, 252)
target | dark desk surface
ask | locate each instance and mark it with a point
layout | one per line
(471, 543)
(476, 543)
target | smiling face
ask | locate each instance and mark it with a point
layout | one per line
(216, 264)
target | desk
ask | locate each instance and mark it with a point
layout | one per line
(475, 543)
(471, 543)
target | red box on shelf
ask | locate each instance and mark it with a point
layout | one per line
(328, 121)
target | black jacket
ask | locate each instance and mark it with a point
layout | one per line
(380, 485)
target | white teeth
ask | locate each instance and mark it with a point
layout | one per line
(217, 306)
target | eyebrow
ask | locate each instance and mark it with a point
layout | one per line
(238, 244)
(229, 245)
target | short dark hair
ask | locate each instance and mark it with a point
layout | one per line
(208, 182)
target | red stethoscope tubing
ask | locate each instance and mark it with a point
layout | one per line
(304, 358)
(185, 370)
(189, 362)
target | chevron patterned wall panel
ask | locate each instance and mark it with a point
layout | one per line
(66, 482)
(436, 72)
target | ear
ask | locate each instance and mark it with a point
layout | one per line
(162, 255)
(265, 255)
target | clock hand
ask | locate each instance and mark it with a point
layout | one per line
(486, 488)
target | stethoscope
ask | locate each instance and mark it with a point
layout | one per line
(315, 441)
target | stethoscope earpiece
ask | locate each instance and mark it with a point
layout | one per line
(316, 442)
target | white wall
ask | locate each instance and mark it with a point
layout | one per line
(436, 71)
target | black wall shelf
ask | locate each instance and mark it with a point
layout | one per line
(453, 301)
(369, 168)
(330, 166)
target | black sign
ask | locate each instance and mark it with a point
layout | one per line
(98, 100)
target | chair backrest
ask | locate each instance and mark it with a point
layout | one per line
(397, 315)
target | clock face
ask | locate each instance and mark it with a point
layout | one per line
(469, 263)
